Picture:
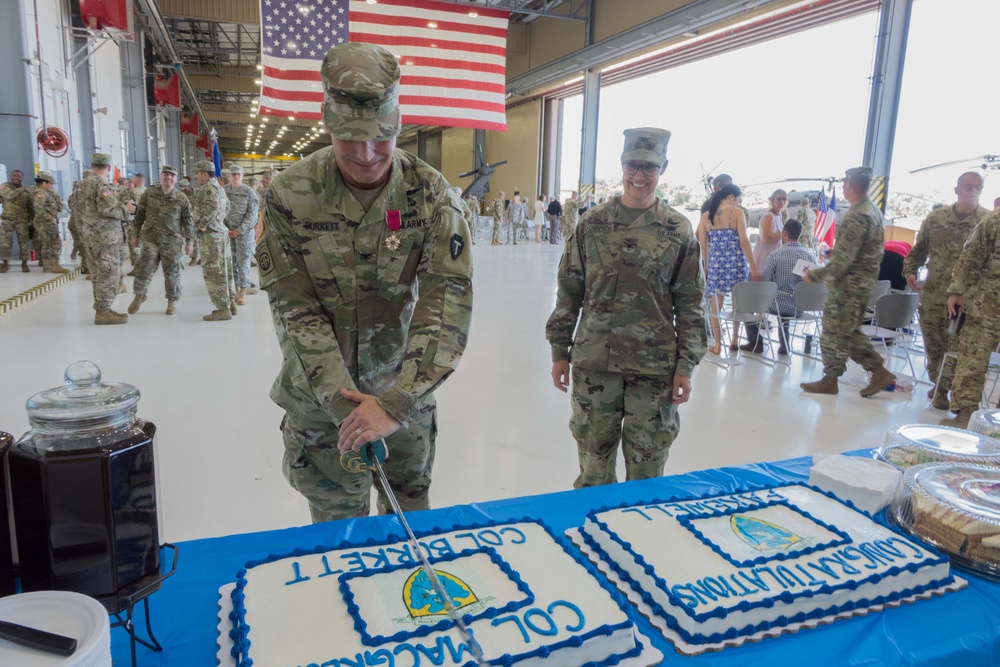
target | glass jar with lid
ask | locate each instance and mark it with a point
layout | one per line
(83, 488)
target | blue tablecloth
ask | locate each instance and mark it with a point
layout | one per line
(961, 629)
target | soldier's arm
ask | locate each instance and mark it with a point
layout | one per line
(108, 204)
(570, 287)
(918, 253)
(140, 215)
(688, 289)
(187, 221)
(439, 328)
(250, 219)
(846, 249)
(975, 254)
(208, 207)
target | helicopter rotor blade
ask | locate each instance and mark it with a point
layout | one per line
(953, 162)
(468, 173)
(497, 164)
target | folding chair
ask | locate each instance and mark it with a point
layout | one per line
(879, 289)
(752, 302)
(891, 322)
(809, 300)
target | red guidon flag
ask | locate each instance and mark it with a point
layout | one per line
(452, 57)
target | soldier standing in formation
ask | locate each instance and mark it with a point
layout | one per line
(852, 271)
(163, 223)
(498, 210)
(643, 331)
(350, 231)
(571, 215)
(74, 224)
(15, 218)
(975, 290)
(48, 205)
(515, 218)
(209, 207)
(101, 229)
(939, 243)
(241, 220)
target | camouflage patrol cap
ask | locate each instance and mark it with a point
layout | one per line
(167, 169)
(647, 144)
(361, 92)
(235, 169)
(100, 158)
(267, 173)
(859, 172)
(205, 165)
(44, 176)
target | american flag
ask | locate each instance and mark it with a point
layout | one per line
(452, 57)
(826, 219)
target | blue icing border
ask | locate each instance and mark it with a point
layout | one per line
(732, 633)
(241, 630)
(423, 630)
(687, 521)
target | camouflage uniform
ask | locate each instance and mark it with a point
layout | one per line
(498, 216)
(73, 201)
(849, 276)
(977, 278)
(639, 284)
(515, 218)
(345, 300)
(163, 223)
(807, 217)
(571, 215)
(242, 215)
(36, 239)
(941, 237)
(101, 228)
(208, 208)
(16, 217)
(48, 205)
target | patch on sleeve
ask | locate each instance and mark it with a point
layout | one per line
(457, 245)
(448, 255)
(273, 263)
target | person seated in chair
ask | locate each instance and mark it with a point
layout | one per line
(778, 269)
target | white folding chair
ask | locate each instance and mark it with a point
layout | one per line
(752, 302)
(809, 301)
(891, 323)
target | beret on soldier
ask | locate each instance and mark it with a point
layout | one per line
(205, 165)
(100, 158)
(44, 176)
(647, 144)
(361, 92)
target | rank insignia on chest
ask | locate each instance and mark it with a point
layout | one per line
(393, 220)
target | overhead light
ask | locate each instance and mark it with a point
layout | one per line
(291, 118)
(473, 14)
(260, 67)
(253, 115)
(257, 81)
(432, 24)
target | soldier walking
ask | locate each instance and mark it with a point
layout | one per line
(643, 331)
(498, 217)
(849, 276)
(48, 205)
(241, 220)
(163, 224)
(209, 207)
(15, 219)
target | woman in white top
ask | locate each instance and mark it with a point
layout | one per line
(540, 208)
(771, 224)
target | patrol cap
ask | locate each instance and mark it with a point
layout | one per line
(859, 173)
(167, 169)
(647, 144)
(100, 158)
(205, 165)
(267, 173)
(235, 169)
(44, 176)
(224, 171)
(361, 92)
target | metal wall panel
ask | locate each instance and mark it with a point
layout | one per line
(229, 11)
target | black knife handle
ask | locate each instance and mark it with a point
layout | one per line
(37, 639)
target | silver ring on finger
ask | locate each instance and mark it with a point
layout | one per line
(359, 431)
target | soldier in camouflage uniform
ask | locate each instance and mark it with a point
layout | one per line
(497, 209)
(975, 289)
(941, 237)
(241, 220)
(163, 223)
(350, 232)
(807, 218)
(74, 224)
(15, 218)
(470, 217)
(633, 267)
(852, 271)
(209, 207)
(48, 205)
(101, 228)
(515, 218)
(571, 215)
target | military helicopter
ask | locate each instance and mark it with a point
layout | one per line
(987, 162)
(482, 171)
(795, 197)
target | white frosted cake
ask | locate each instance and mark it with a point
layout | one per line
(724, 568)
(526, 599)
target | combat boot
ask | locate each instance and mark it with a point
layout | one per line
(251, 290)
(828, 385)
(171, 307)
(133, 307)
(218, 316)
(131, 273)
(53, 266)
(881, 378)
(73, 254)
(24, 266)
(241, 297)
(109, 316)
(122, 288)
(4, 266)
(232, 307)
(961, 420)
(940, 401)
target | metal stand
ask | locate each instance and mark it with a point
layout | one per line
(130, 596)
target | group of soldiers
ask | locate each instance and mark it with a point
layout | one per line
(112, 223)
(511, 217)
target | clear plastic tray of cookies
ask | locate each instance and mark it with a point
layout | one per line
(986, 422)
(956, 508)
(913, 444)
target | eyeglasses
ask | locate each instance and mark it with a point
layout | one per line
(647, 169)
(781, 199)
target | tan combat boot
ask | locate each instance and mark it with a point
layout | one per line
(241, 296)
(232, 307)
(109, 317)
(131, 273)
(133, 307)
(24, 266)
(251, 290)
(827, 385)
(171, 307)
(218, 316)
(4, 266)
(961, 420)
(53, 266)
(122, 288)
(881, 378)
(940, 401)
